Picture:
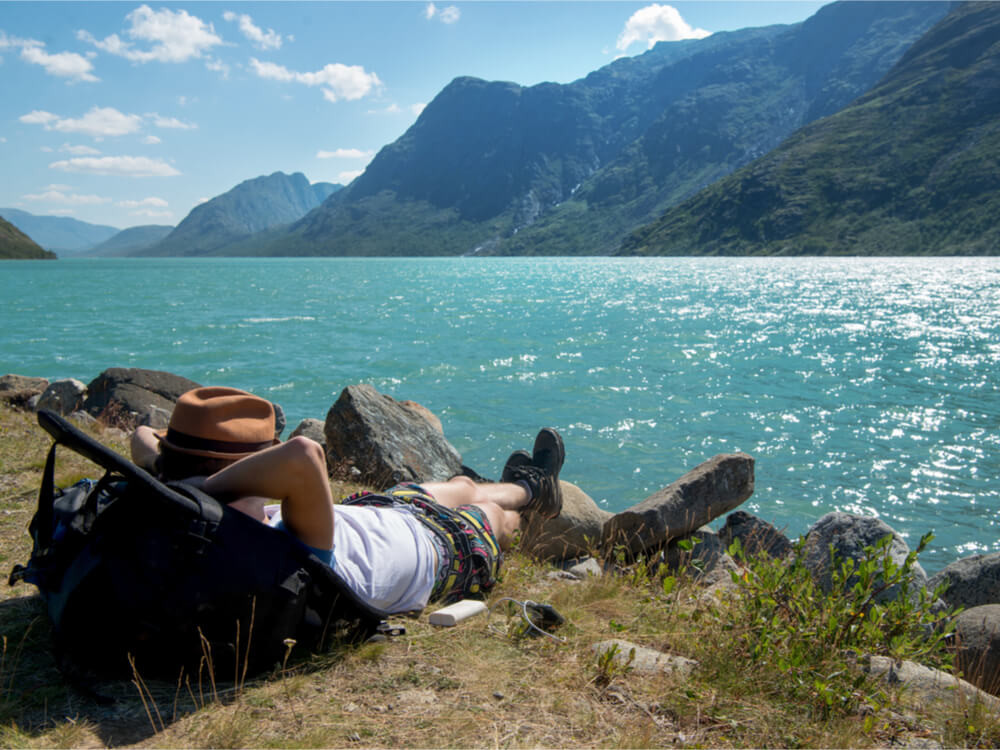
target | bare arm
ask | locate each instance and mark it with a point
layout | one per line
(294, 473)
(145, 448)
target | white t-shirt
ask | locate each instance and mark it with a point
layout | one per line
(385, 555)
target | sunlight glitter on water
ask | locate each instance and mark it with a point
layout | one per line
(857, 384)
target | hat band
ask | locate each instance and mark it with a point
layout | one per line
(192, 443)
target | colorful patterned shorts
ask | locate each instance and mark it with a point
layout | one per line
(472, 557)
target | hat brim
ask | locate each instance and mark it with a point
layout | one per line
(161, 435)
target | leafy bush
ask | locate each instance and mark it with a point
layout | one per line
(786, 624)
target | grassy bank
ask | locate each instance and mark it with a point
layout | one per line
(762, 679)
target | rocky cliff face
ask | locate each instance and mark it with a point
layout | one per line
(570, 169)
(908, 168)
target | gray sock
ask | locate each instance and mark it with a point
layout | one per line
(527, 488)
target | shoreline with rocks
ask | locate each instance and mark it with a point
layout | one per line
(372, 439)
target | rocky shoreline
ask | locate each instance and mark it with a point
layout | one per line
(373, 439)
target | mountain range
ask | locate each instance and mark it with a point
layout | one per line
(16, 245)
(497, 168)
(912, 167)
(251, 207)
(59, 234)
(869, 128)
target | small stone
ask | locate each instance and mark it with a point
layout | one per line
(498, 695)
(354, 737)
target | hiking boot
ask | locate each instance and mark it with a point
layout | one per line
(540, 473)
(517, 458)
(548, 453)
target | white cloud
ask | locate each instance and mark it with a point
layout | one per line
(98, 122)
(120, 166)
(392, 109)
(62, 64)
(170, 122)
(345, 153)
(448, 15)
(337, 81)
(418, 108)
(151, 140)
(38, 117)
(217, 66)
(151, 214)
(60, 196)
(657, 23)
(344, 177)
(78, 150)
(68, 65)
(262, 39)
(173, 36)
(151, 201)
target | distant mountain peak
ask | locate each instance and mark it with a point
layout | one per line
(253, 206)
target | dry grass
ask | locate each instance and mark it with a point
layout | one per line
(463, 687)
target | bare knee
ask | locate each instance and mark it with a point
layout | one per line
(464, 482)
(304, 451)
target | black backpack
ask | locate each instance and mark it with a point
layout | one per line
(153, 577)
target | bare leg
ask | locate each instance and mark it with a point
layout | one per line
(463, 491)
(500, 502)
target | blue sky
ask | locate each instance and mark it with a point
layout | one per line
(126, 113)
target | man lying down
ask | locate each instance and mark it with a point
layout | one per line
(398, 549)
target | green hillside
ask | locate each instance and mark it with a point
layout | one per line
(496, 168)
(913, 167)
(16, 245)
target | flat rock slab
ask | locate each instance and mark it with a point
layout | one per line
(924, 685)
(706, 492)
(386, 441)
(645, 660)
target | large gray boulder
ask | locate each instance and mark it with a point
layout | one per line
(972, 581)
(312, 429)
(385, 441)
(576, 532)
(18, 390)
(126, 396)
(63, 396)
(706, 492)
(977, 641)
(756, 536)
(850, 534)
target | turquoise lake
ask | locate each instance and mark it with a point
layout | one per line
(863, 385)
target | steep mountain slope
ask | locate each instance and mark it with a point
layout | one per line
(911, 167)
(60, 234)
(493, 167)
(15, 244)
(743, 108)
(252, 206)
(132, 240)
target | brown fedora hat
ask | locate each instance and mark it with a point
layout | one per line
(217, 422)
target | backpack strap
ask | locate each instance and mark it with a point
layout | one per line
(191, 501)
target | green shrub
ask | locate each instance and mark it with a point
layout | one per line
(787, 625)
